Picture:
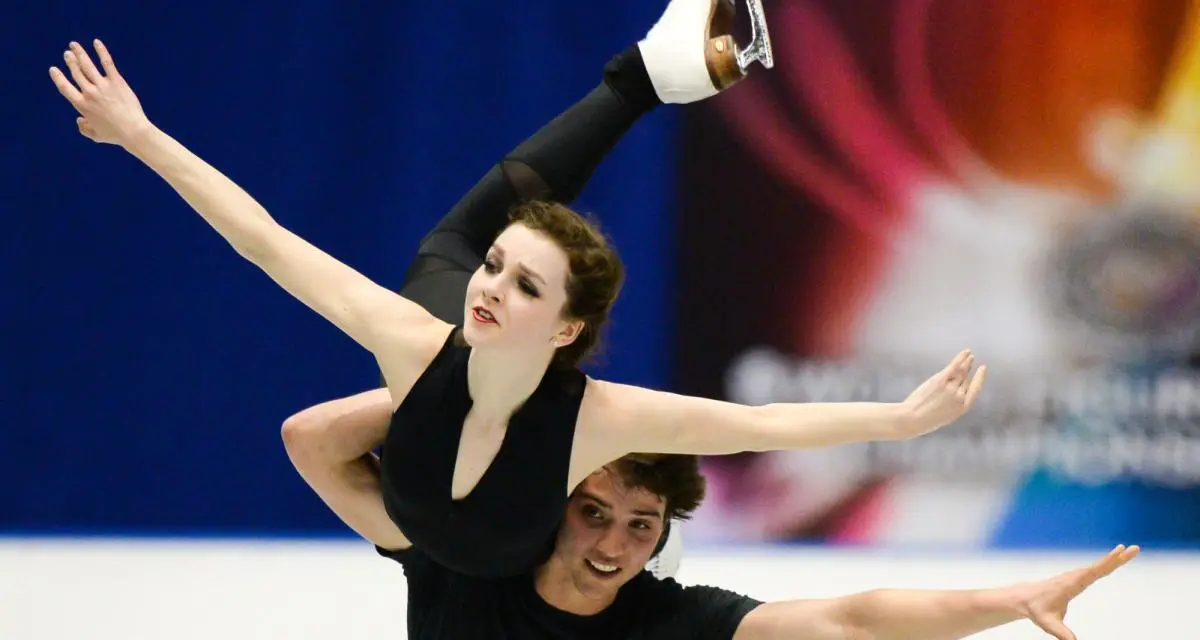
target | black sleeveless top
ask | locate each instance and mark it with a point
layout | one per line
(507, 524)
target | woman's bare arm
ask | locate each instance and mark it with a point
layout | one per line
(398, 332)
(618, 419)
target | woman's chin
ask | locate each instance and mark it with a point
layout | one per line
(478, 334)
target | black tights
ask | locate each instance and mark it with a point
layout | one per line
(554, 164)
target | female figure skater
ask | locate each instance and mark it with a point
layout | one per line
(492, 423)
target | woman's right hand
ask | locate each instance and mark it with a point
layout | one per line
(110, 111)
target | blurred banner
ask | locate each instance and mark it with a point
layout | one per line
(919, 176)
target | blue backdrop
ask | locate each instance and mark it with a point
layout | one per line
(146, 367)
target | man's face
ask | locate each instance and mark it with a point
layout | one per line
(608, 535)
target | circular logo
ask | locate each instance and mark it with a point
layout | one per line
(1131, 280)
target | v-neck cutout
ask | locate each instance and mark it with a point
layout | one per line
(502, 451)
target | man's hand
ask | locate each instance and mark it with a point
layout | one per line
(1045, 602)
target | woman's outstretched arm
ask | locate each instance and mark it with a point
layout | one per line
(378, 319)
(620, 419)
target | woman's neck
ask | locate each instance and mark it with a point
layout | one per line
(501, 381)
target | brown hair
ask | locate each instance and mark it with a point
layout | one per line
(674, 477)
(595, 271)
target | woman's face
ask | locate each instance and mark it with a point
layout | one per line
(516, 298)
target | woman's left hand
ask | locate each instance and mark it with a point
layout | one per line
(945, 397)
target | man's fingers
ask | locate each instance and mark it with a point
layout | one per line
(1055, 627)
(1115, 559)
